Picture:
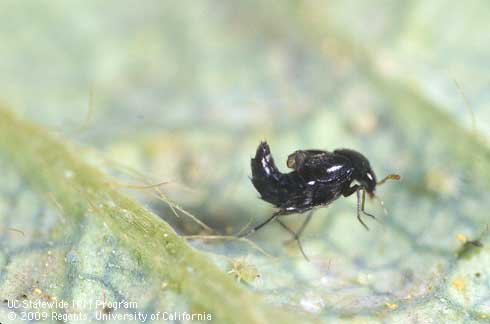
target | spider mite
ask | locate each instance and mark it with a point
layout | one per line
(318, 178)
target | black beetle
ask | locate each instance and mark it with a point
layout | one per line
(318, 178)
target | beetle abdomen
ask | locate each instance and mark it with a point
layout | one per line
(273, 186)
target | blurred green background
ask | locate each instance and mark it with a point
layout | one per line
(184, 92)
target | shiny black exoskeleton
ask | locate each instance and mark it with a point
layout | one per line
(318, 178)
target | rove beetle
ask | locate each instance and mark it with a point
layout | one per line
(318, 178)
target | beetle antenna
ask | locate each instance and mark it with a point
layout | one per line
(389, 177)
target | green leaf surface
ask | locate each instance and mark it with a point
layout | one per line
(183, 93)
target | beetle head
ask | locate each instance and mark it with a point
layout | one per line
(362, 169)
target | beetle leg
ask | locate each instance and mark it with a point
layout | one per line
(295, 235)
(298, 233)
(350, 190)
(256, 228)
(305, 223)
(360, 203)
